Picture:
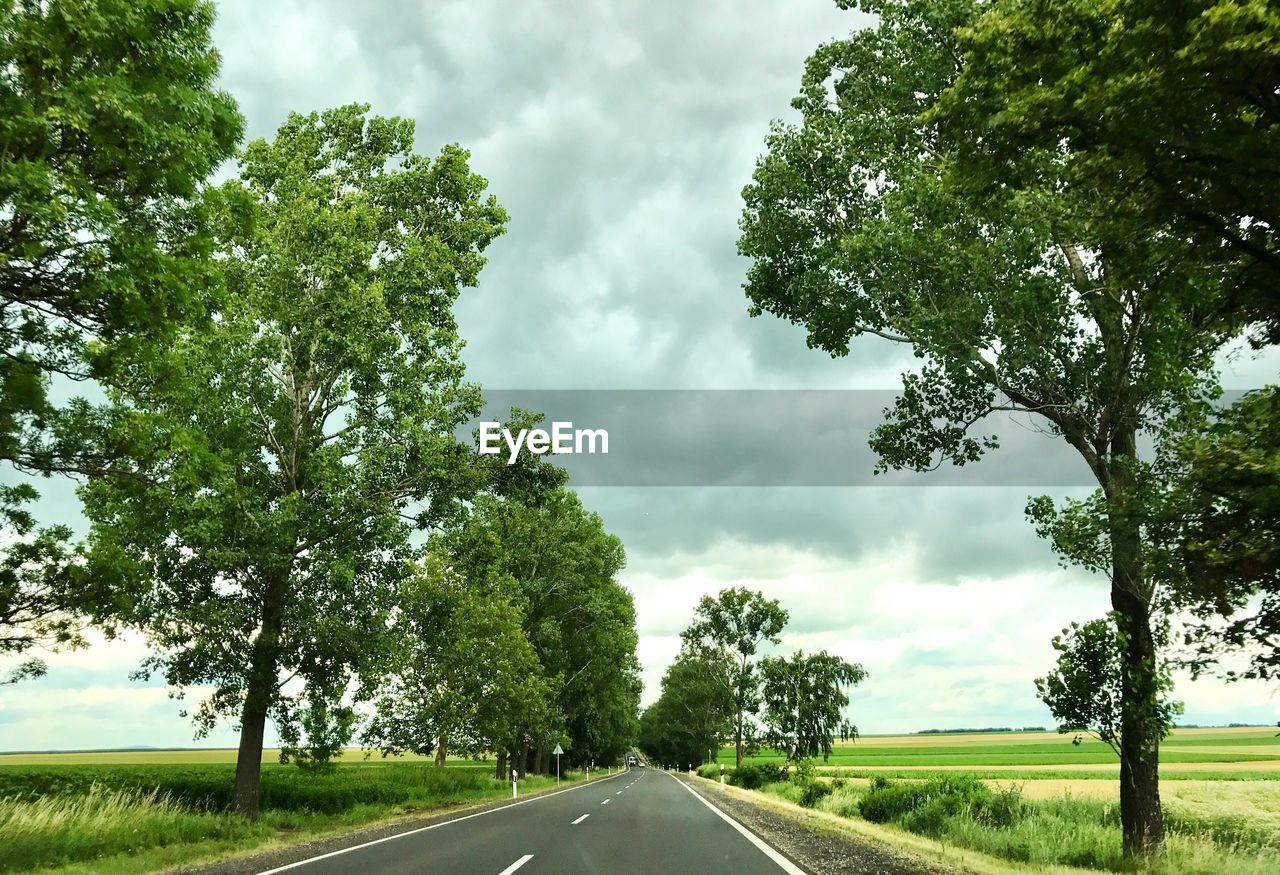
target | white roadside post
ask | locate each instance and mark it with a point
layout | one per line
(514, 776)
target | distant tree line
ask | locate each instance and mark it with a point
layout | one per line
(283, 383)
(982, 729)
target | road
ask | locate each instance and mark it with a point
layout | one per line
(643, 821)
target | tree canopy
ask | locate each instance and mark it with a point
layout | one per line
(804, 700)
(110, 122)
(693, 713)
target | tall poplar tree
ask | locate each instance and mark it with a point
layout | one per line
(1030, 303)
(287, 450)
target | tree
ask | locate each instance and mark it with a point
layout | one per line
(804, 699)
(736, 623)
(692, 715)
(285, 451)
(1085, 691)
(466, 678)
(856, 226)
(1166, 111)
(109, 124)
(578, 618)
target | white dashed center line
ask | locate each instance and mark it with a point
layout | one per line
(516, 865)
(580, 819)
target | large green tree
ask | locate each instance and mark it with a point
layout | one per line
(1167, 112)
(292, 444)
(1028, 303)
(578, 618)
(465, 679)
(804, 700)
(692, 715)
(736, 623)
(109, 123)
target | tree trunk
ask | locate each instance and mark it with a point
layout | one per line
(442, 750)
(261, 687)
(523, 760)
(1141, 818)
(502, 766)
(540, 760)
(737, 742)
(253, 723)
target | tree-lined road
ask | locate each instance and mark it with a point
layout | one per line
(639, 821)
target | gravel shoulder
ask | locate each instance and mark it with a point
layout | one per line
(803, 838)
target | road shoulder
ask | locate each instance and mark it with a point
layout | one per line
(813, 840)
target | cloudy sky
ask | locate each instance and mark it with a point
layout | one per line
(619, 136)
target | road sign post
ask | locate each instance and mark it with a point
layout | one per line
(559, 750)
(514, 776)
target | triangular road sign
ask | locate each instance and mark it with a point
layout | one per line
(557, 751)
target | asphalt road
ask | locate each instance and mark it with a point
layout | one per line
(642, 821)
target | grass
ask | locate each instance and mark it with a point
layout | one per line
(133, 819)
(102, 822)
(1220, 829)
(1247, 749)
(1034, 801)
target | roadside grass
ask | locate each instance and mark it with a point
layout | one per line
(102, 822)
(125, 820)
(1223, 830)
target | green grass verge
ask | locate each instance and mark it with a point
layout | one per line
(121, 819)
(958, 810)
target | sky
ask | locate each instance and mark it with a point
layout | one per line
(619, 135)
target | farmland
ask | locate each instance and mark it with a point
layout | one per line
(1247, 750)
(1036, 798)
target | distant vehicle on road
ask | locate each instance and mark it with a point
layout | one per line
(631, 761)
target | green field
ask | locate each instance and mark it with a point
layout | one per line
(1034, 799)
(1186, 751)
(145, 811)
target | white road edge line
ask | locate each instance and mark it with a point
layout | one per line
(401, 835)
(783, 863)
(516, 865)
(580, 819)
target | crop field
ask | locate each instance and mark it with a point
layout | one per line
(1254, 750)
